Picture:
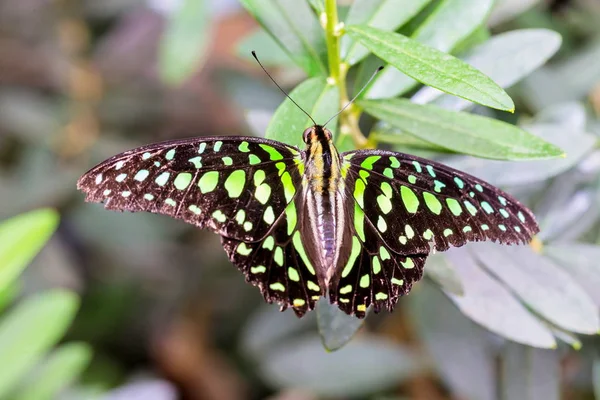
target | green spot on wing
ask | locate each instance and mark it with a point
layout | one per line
(409, 198)
(274, 155)
(208, 182)
(432, 203)
(235, 182)
(369, 161)
(355, 251)
(182, 180)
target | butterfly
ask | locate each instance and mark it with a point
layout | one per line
(300, 224)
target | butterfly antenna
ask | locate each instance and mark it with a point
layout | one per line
(355, 97)
(279, 87)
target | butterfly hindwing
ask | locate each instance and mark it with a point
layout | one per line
(235, 186)
(413, 202)
(280, 264)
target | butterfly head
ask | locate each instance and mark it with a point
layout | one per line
(316, 134)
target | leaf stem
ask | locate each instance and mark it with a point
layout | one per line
(332, 36)
(337, 74)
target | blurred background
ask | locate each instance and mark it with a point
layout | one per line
(162, 311)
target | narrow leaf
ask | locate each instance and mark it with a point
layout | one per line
(530, 374)
(506, 58)
(433, 67)
(317, 98)
(329, 375)
(61, 369)
(461, 132)
(491, 305)
(295, 27)
(441, 270)
(30, 329)
(574, 143)
(580, 261)
(542, 285)
(268, 50)
(467, 366)
(268, 327)
(21, 238)
(388, 15)
(451, 22)
(336, 328)
(318, 5)
(183, 45)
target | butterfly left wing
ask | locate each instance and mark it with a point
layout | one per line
(413, 202)
(234, 186)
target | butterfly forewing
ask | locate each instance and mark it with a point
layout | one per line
(246, 189)
(236, 187)
(413, 201)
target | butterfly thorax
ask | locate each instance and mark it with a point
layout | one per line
(324, 196)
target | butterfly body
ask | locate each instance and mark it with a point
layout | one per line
(301, 224)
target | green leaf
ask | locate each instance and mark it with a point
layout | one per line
(317, 98)
(451, 22)
(529, 374)
(575, 144)
(461, 132)
(432, 67)
(183, 45)
(388, 15)
(440, 270)
(267, 49)
(542, 285)
(506, 58)
(335, 327)
(30, 329)
(21, 238)
(8, 294)
(303, 363)
(318, 6)
(57, 372)
(296, 28)
(491, 305)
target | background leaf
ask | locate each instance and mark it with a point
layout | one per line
(62, 367)
(506, 59)
(336, 328)
(451, 22)
(21, 238)
(30, 329)
(460, 349)
(296, 28)
(327, 374)
(543, 286)
(529, 374)
(574, 143)
(461, 132)
(317, 98)
(185, 40)
(491, 305)
(432, 67)
(388, 15)
(439, 269)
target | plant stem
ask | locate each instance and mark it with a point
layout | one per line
(333, 40)
(337, 75)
